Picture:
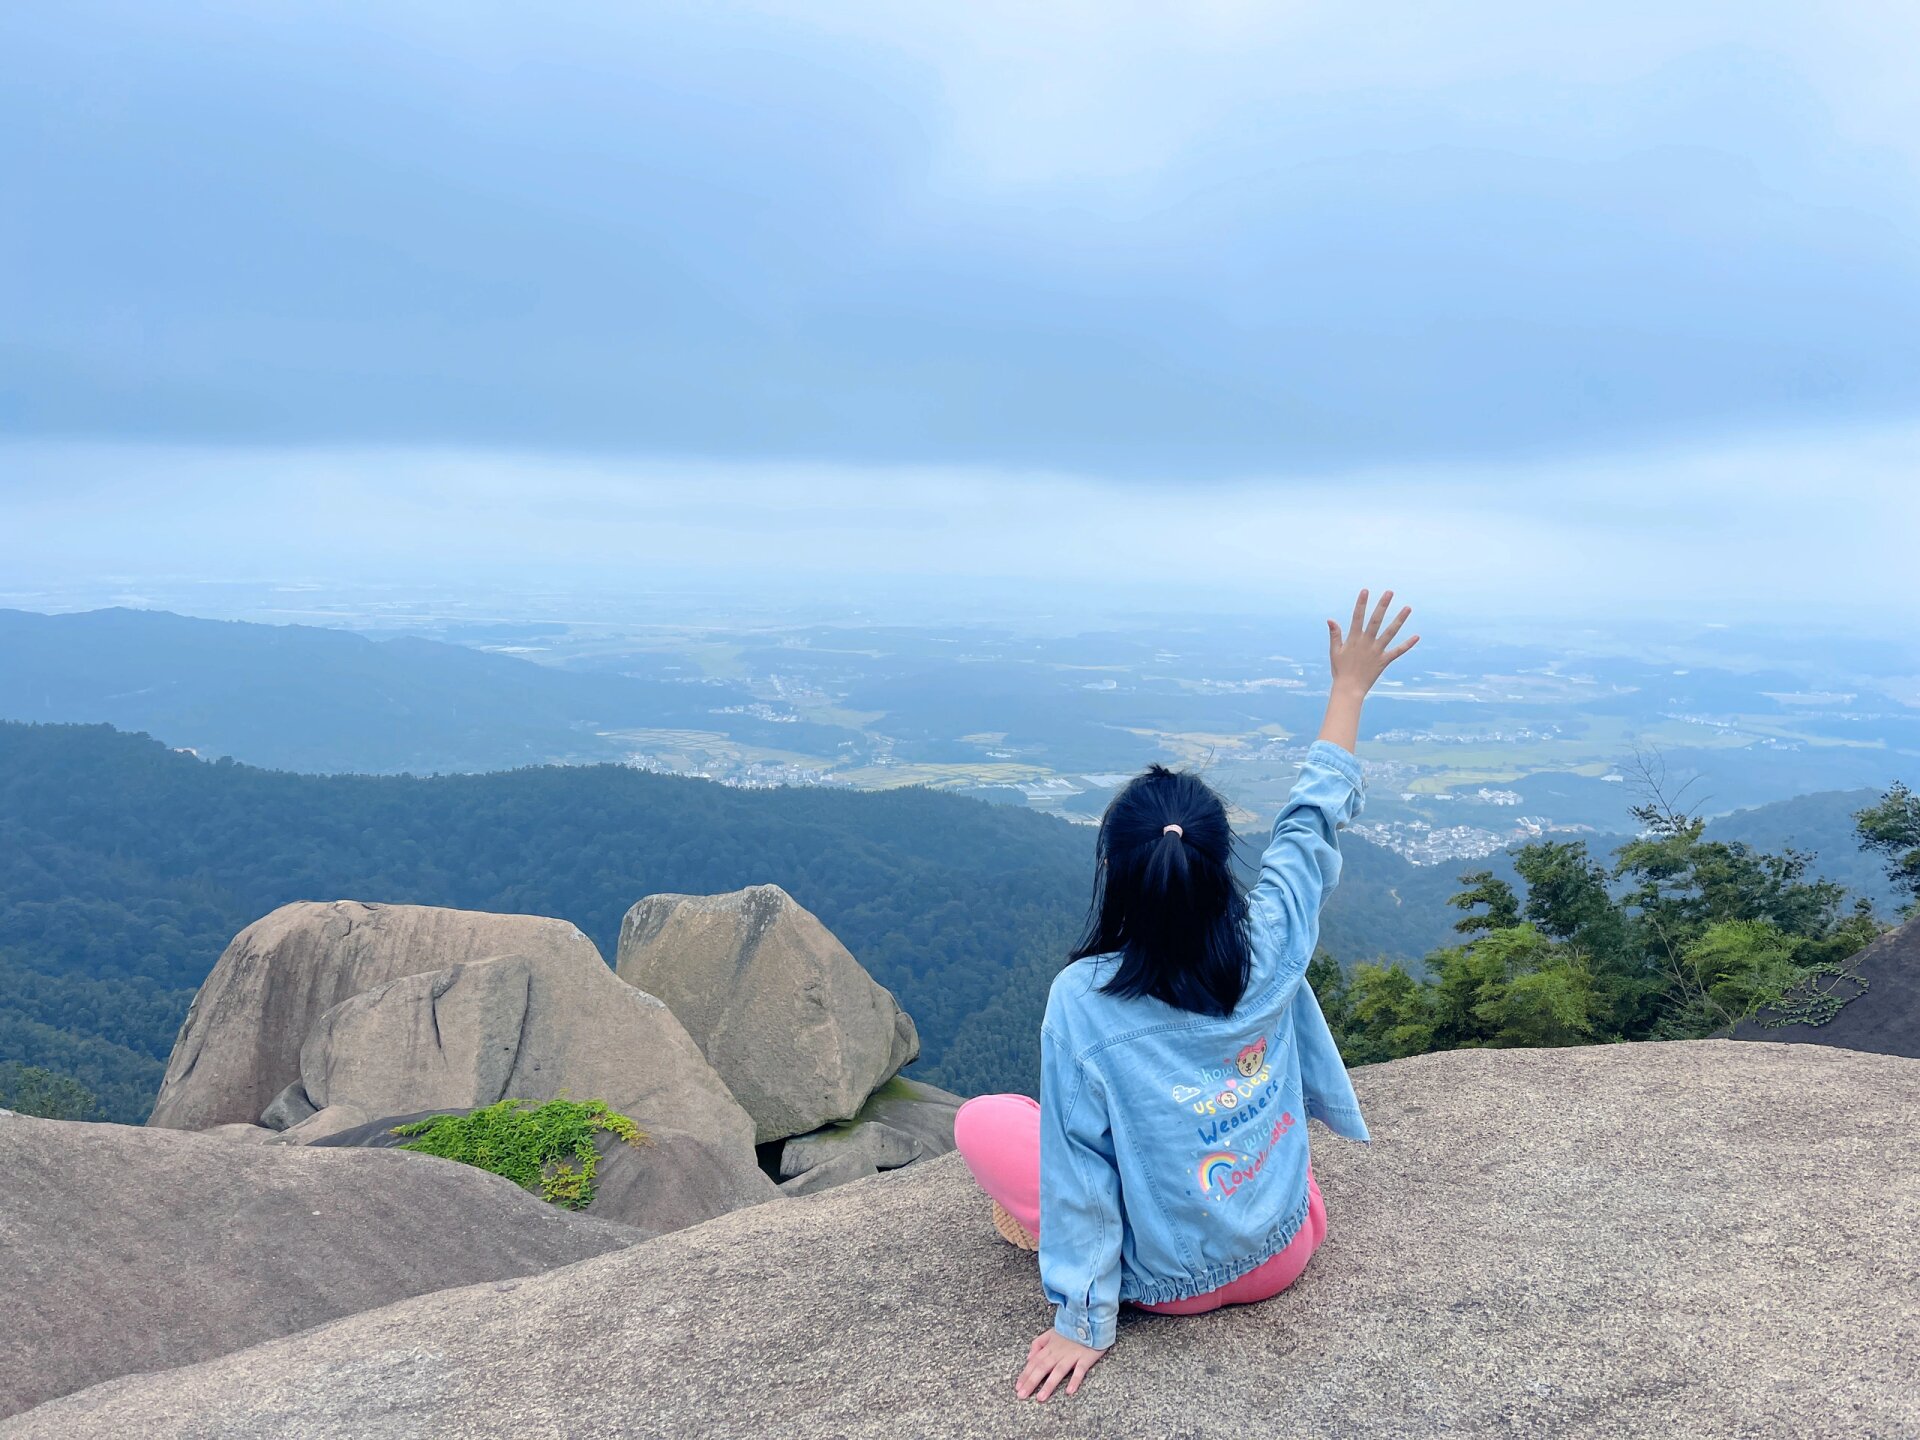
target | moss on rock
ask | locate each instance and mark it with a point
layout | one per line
(548, 1149)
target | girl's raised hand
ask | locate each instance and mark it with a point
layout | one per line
(1359, 656)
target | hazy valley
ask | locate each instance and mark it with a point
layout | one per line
(699, 758)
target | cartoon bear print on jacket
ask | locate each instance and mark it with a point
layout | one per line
(1249, 1060)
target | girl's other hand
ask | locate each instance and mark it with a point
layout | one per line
(1052, 1358)
(1359, 657)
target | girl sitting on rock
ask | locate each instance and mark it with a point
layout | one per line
(1165, 1164)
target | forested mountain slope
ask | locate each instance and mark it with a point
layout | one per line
(125, 867)
(1822, 825)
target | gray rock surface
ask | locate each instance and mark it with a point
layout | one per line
(674, 1180)
(245, 1134)
(125, 1249)
(678, 1178)
(379, 1134)
(1708, 1239)
(915, 1108)
(879, 1146)
(1880, 988)
(322, 1123)
(901, 1122)
(287, 1109)
(538, 1028)
(798, 1030)
(240, 1045)
(839, 1169)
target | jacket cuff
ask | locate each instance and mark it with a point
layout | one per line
(1081, 1326)
(1343, 1120)
(1337, 758)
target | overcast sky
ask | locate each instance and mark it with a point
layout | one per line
(1618, 300)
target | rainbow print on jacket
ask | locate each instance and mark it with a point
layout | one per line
(1216, 1170)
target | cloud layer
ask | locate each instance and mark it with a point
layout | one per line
(1222, 242)
(1813, 527)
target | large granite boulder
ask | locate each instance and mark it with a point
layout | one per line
(124, 1249)
(240, 1045)
(1704, 1239)
(801, 1034)
(1877, 993)
(538, 1028)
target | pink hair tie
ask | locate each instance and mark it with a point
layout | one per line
(1173, 829)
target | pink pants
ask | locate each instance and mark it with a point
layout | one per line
(999, 1138)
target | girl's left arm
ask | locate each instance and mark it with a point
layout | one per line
(1080, 1221)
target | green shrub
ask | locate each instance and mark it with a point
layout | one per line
(30, 1090)
(548, 1148)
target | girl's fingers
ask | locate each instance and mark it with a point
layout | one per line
(1080, 1368)
(1053, 1379)
(1037, 1368)
(1392, 630)
(1399, 650)
(1379, 612)
(1359, 615)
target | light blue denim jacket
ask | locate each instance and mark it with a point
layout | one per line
(1173, 1146)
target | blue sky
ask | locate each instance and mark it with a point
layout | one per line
(1546, 268)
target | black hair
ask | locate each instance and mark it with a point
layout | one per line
(1169, 903)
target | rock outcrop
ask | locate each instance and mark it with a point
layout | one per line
(125, 1249)
(672, 1181)
(322, 1021)
(800, 1033)
(240, 1045)
(1878, 991)
(903, 1121)
(531, 1027)
(1705, 1239)
(537, 1028)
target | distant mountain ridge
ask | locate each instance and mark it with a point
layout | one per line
(318, 700)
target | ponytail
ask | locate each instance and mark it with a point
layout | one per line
(1166, 899)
